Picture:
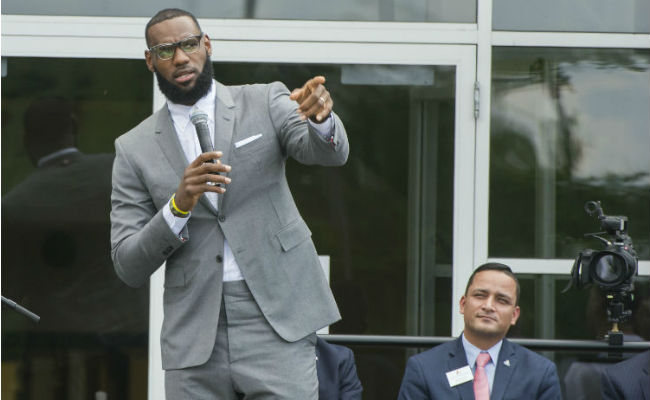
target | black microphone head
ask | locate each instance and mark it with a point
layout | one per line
(198, 116)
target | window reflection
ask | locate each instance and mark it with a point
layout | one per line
(568, 126)
(572, 16)
(577, 314)
(59, 120)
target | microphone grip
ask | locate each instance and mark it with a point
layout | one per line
(203, 133)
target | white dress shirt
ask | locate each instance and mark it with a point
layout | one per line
(472, 352)
(190, 143)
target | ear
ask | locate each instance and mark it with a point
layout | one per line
(462, 305)
(515, 315)
(208, 45)
(148, 58)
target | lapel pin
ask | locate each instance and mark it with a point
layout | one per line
(506, 363)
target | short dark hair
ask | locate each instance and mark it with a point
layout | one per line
(164, 15)
(495, 267)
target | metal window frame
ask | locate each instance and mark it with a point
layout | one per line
(533, 344)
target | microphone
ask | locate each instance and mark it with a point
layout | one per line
(200, 121)
(20, 309)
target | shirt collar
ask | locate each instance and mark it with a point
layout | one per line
(472, 352)
(180, 113)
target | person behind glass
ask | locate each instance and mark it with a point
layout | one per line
(481, 363)
(337, 372)
(629, 379)
(244, 288)
(55, 242)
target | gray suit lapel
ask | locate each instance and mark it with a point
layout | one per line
(224, 123)
(168, 141)
(458, 359)
(504, 370)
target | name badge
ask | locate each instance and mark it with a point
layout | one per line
(460, 375)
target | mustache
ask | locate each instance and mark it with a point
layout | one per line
(486, 316)
(184, 71)
(180, 95)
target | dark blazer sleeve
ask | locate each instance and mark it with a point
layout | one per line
(549, 388)
(337, 373)
(350, 384)
(414, 386)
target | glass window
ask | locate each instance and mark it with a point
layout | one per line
(458, 11)
(567, 126)
(59, 120)
(572, 16)
(547, 312)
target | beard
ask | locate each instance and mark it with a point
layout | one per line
(187, 97)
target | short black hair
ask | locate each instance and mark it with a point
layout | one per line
(164, 15)
(495, 267)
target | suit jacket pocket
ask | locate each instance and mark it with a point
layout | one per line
(293, 234)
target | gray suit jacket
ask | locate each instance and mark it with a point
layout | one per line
(257, 215)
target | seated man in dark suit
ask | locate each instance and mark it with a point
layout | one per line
(481, 364)
(337, 373)
(628, 379)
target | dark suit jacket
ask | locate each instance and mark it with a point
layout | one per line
(337, 373)
(529, 375)
(628, 379)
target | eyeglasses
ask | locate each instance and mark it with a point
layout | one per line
(189, 45)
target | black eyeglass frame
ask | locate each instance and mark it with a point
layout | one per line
(176, 45)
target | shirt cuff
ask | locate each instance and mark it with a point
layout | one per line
(176, 224)
(325, 129)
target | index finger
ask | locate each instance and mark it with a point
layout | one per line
(307, 88)
(314, 82)
(206, 157)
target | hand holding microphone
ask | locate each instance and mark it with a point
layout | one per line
(204, 173)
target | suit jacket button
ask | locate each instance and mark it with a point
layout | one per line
(222, 218)
(219, 259)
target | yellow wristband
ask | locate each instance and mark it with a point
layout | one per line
(177, 211)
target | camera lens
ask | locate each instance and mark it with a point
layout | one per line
(610, 268)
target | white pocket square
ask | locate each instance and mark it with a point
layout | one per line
(247, 140)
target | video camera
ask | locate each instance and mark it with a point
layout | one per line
(612, 269)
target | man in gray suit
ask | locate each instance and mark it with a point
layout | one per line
(244, 290)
